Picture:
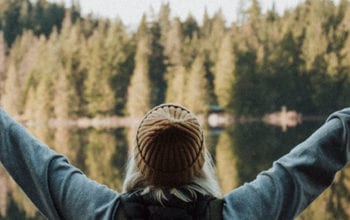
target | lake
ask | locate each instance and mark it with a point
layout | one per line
(240, 152)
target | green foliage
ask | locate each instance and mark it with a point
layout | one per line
(41, 91)
(190, 27)
(176, 85)
(196, 87)
(40, 17)
(24, 51)
(173, 44)
(225, 73)
(3, 58)
(212, 34)
(139, 91)
(102, 54)
(157, 66)
(67, 73)
(54, 63)
(12, 98)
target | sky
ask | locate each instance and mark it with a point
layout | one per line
(131, 11)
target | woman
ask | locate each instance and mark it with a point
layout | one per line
(170, 174)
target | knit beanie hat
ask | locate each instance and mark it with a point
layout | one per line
(169, 149)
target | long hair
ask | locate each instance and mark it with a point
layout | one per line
(205, 182)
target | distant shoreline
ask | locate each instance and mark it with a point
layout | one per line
(213, 120)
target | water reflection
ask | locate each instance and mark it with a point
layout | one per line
(4, 192)
(105, 155)
(226, 162)
(240, 152)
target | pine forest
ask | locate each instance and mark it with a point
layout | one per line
(55, 63)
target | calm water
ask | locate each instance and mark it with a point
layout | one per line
(240, 152)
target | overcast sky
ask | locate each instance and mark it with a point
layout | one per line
(131, 11)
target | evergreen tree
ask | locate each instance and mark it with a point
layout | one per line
(323, 56)
(3, 58)
(157, 66)
(97, 94)
(344, 27)
(12, 99)
(252, 27)
(139, 91)
(21, 61)
(225, 73)
(197, 94)
(9, 17)
(190, 27)
(246, 90)
(25, 18)
(176, 72)
(173, 44)
(213, 36)
(22, 52)
(39, 83)
(120, 63)
(105, 56)
(314, 47)
(46, 16)
(39, 16)
(64, 98)
(254, 12)
(164, 21)
(191, 47)
(205, 30)
(176, 85)
(70, 73)
(44, 72)
(62, 103)
(43, 99)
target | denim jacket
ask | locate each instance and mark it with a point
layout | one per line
(61, 191)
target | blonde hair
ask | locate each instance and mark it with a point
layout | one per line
(205, 183)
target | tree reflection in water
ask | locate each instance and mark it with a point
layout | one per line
(240, 153)
(4, 191)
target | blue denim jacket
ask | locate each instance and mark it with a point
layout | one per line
(61, 191)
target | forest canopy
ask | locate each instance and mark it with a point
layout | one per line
(56, 63)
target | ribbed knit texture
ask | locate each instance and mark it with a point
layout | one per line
(169, 146)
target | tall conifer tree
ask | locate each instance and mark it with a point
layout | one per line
(3, 59)
(176, 72)
(157, 66)
(23, 55)
(12, 99)
(197, 94)
(45, 70)
(224, 76)
(139, 91)
(105, 56)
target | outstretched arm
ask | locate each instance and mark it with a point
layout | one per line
(58, 189)
(297, 178)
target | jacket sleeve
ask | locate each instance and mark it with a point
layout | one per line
(296, 179)
(58, 189)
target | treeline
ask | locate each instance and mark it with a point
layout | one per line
(54, 63)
